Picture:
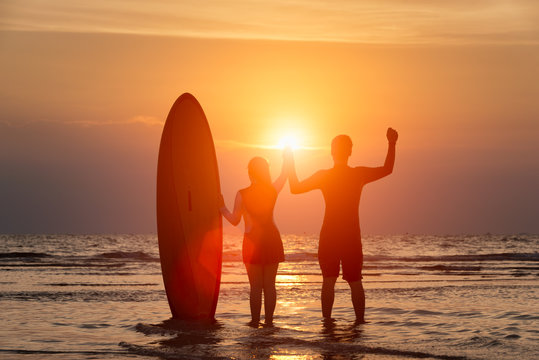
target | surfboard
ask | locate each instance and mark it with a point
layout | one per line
(189, 225)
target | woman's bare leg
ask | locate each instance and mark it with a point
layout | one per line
(256, 281)
(270, 293)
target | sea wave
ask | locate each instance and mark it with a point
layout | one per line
(65, 284)
(23, 255)
(103, 260)
(135, 255)
(449, 268)
(457, 258)
(76, 353)
(82, 264)
(136, 294)
(446, 263)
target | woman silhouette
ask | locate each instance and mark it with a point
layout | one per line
(262, 245)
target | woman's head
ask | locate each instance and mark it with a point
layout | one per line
(258, 169)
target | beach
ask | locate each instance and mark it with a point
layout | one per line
(434, 297)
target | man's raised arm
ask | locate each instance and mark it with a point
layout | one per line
(372, 174)
(392, 137)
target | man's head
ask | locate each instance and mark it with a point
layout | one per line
(341, 147)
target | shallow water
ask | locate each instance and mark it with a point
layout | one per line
(437, 297)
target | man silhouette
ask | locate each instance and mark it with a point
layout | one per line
(340, 236)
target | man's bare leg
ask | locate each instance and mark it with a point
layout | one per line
(358, 300)
(328, 295)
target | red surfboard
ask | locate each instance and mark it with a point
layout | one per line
(189, 226)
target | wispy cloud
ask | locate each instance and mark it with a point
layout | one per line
(232, 144)
(380, 21)
(140, 119)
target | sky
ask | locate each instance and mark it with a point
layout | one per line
(85, 88)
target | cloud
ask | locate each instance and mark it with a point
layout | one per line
(140, 119)
(382, 21)
(232, 144)
(135, 120)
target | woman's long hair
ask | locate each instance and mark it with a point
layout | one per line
(258, 169)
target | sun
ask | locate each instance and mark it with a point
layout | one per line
(289, 140)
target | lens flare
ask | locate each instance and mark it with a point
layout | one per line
(289, 140)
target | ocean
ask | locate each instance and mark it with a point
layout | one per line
(429, 297)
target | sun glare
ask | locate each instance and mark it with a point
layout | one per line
(291, 134)
(289, 140)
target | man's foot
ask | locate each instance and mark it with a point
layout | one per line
(360, 321)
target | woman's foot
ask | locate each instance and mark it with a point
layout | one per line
(329, 323)
(254, 324)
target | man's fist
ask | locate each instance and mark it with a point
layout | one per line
(392, 135)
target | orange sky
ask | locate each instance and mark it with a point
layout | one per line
(83, 107)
